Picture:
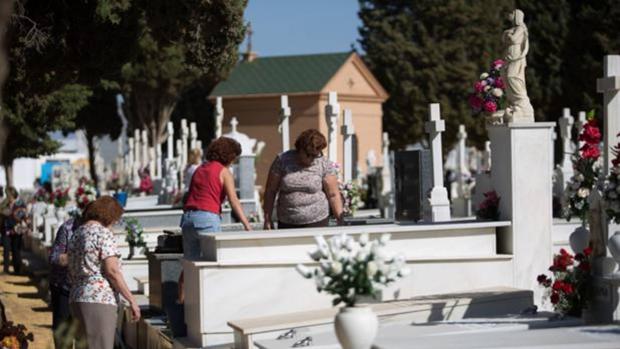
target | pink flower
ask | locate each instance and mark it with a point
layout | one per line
(499, 83)
(478, 87)
(498, 62)
(475, 102)
(490, 107)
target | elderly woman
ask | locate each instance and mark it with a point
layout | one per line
(14, 220)
(95, 275)
(306, 185)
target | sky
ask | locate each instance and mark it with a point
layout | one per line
(289, 27)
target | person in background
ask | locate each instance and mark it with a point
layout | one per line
(193, 161)
(60, 287)
(211, 183)
(306, 185)
(95, 275)
(14, 217)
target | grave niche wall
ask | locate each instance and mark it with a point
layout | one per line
(413, 180)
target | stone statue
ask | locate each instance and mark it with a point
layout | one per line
(516, 45)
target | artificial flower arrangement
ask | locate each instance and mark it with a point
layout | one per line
(489, 208)
(586, 171)
(135, 235)
(350, 269)
(567, 288)
(489, 95)
(60, 197)
(42, 195)
(351, 197)
(85, 193)
(611, 187)
(14, 336)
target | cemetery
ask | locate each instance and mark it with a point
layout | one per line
(443, 244)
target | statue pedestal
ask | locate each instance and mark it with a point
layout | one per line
(605, 299)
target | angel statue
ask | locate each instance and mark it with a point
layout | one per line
(516, 44)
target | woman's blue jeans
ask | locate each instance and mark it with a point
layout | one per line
(194, 224)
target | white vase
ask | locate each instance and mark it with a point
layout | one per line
(579, 239)
(61, 215)
(614, 246)
(356, 327)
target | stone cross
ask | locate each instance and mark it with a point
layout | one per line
(463, 171)
(233, 124)
(609, 87)
(385, 171)
(179, 162)
(184, 136)
(170, 141)
(145, 150)
(219, 117)
(199, 144)
(332, 111)
(137, 149)
(348, 130)
(193, 135)
(285, 114)
(486, 157)
(158, 161)
(152, 162)
(437, 206)
(566, 127)
(130, 157)
(579, 124)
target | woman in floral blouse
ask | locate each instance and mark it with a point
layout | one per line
(95, 275)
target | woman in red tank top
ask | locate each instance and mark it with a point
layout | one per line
(211, 183)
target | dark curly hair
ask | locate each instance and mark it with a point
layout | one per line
(223, 150)
(309, 146)
(105, 210)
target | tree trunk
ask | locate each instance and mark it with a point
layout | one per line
(8, 173)
(91, 159)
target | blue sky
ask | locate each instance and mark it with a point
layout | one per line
(287, 27)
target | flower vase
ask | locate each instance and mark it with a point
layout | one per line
(132, 251)
(495, 118)
(61, 214)
(614, 247)
(356, 327)
(579, 239)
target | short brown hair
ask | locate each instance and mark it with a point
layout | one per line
(310, 145)
(105, 210)
(194, 156)
(223, 150)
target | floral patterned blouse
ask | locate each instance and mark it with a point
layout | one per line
(301, 199)
(89, 246)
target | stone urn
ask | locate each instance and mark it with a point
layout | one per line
(579, 239)
(614, 247)
(495, 118)
(356, 327)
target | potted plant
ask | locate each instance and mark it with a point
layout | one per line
(489, 97)
(489, 208)
(134, 237)
(586, 172)
(567, 288)
(14, 336)
(350, 270)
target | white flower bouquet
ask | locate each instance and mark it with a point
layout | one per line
(351, 197)
(349, 269)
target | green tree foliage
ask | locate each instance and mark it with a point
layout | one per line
(428, 51)
(183, 45)
(40, 94)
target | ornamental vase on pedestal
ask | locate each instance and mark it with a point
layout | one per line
(356, 327)
(580, 238)
(614, 246)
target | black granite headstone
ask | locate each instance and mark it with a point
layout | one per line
(414, 179)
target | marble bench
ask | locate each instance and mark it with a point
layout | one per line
(485, 302)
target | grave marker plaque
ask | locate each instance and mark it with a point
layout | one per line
(414, 179)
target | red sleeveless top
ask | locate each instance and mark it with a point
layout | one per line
(206, 191)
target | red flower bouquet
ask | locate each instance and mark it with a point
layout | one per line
(488, 96)
(586, 171)
(489, 208)
(567, 288)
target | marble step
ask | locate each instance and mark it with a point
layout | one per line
(485, 302)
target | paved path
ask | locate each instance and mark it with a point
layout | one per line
(24, 305)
